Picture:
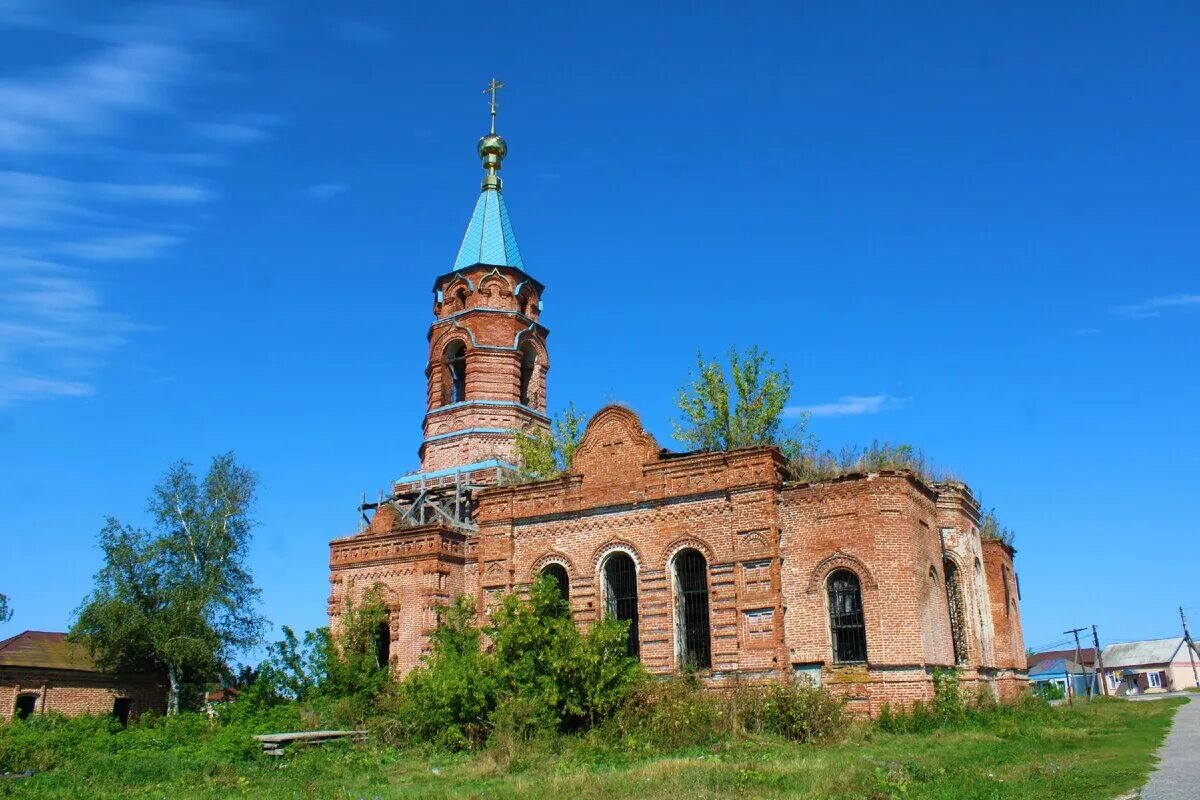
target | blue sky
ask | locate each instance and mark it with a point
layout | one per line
(971, 230)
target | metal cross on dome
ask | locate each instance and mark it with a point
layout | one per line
(493, 87)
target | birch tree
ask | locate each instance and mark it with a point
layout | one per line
(742, 405)
(179, 599)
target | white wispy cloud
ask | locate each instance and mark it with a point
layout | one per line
(846, 406)
(241, 130)
(32, 200)
(23, 388)
(324, 191)
(121, 247)
(1157, 305)
(79, 113)
(54, 329)
(89, 99)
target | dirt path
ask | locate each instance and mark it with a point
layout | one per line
(1178, 773)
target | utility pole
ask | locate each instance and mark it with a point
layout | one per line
(1087, 686)
(1187, 637)
(1099, 661)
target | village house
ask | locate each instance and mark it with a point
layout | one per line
(721, 563)
(1150, 667)
(41, 672)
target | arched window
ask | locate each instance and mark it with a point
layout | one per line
(383, 643)
(958, 611)
(455, 358)
(847, 626)
(559, 573)
(620, 593)
(528, 360)
(692, 641)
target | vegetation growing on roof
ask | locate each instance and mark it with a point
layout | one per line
(743, 403)
(990, 528)
(548, 454)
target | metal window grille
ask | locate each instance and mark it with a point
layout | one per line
(958, 612)
(559, 573)
(846, 622)
(620, 593)
(691, 577)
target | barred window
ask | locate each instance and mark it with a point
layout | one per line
(620, 593)
(847, 626)
(691, 610)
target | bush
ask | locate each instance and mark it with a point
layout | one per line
(677, 713)
(802, 712)
(541, 674)
(948, 704)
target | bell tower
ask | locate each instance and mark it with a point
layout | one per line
(486, 373)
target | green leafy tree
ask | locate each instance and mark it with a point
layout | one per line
(178, 599)
(739, 406)
(547, 454)
(5, 611)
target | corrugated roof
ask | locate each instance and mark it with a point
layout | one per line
(1153, 651)
(1087, 655)
(1055, 666)
(47, 650)
(489, 238)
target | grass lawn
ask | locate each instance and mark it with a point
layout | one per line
(1098, 750)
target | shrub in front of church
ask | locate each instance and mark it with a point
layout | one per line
(529, 670)
(676, 712)
(325, 680)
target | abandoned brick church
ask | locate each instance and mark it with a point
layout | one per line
(864, 584)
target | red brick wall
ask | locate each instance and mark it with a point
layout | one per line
(492, 312)
(1006, 611)
(71, 693)
(769, 548)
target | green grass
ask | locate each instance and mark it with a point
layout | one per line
(1097, 750)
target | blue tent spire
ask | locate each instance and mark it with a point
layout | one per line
(490, 238)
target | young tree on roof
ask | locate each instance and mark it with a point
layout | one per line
(180, 599)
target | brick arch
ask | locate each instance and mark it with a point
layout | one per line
(686, 543)
(840, 560)
(614, 546)
(553, 557)
(447, 336)
(452, 287)
(529, 336)
(503, 286)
